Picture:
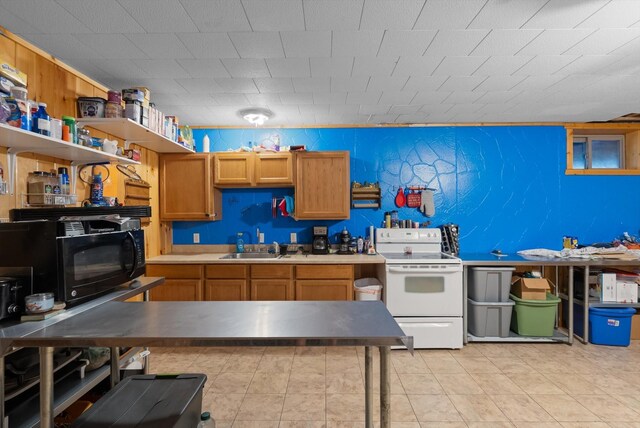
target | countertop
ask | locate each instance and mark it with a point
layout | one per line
(204, 258)
(488, 259)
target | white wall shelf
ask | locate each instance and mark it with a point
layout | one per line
(135, 133)
(20, 141)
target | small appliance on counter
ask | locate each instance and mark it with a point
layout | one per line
(345, 245)
(12, 293)
(320, 243)
(76, 258)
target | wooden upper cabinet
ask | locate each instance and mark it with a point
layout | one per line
(274, 169)
(186, 188)
(322, 185)
(233, 169)
(253, 169)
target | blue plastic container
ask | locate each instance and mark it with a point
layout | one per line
(610, 326)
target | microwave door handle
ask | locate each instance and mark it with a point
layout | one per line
(135, 253)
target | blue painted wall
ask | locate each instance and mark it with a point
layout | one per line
(504, 186)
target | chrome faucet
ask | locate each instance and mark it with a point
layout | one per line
(276, 248)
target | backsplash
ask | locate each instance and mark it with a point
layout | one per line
(504, 185)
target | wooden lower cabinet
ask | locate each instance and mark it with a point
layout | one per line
(324, 282)
(324, 289)
(177, 290)
(226, 289)
(272, 289)
(182, 282)
(232, 282)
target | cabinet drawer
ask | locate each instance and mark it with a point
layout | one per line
(227, 271)
(324, 271)
(271, 271)
(175, 271)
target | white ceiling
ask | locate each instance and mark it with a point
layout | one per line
(352, 61)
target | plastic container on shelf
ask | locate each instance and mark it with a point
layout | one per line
(610, 326)
(91, 107)
(41, 122)
(367, 289)
(489, 319)
(73, 131)
(489, 284)
(39, 187)
(534, 317)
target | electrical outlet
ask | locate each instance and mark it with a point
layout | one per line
(293, 238)
(261, 238)
(196, 238)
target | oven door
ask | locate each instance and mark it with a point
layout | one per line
(419, 290)
(96, 263)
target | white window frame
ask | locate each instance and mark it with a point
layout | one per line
(588, 140)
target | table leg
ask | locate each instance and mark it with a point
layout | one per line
(115, 366)
(385, 387)
(368, 386)
(586, 305)
(46, 387)
(3, 423)
(570, 304)
(145, 370)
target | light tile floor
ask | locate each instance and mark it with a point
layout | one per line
(482, 385)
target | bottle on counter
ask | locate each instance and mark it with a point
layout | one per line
(63, 179)
(41, 122)
(239, 243)
(360, 245)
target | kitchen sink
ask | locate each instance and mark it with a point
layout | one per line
(250, 256)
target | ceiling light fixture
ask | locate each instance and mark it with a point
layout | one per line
(256, 116)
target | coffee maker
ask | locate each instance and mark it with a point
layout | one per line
(344, 241)
(320, 243)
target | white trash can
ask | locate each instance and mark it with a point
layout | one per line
(367, 289)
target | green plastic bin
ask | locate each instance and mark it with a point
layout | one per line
(534, 317)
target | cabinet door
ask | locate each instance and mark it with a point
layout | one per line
(233, 169)
(324, 289)
(322, 185)
(177, 290)
(271, 289)
(186, 188)
(226, 289)
(274, 169)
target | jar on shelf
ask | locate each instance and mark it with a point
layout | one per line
(39, 187)
(84, 137)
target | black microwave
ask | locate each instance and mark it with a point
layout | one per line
(77, 260)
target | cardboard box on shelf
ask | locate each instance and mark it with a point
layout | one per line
(626, 292)
(607, 282)
(530, 288)
(16, 76)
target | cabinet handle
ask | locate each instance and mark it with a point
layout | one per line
(207, 215)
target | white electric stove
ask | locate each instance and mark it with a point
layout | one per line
(422, 286)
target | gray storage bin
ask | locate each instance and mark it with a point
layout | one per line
(489, 284)
(489, 319)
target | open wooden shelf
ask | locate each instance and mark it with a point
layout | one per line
(135, 133)
(26, 141)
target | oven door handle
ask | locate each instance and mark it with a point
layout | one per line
(434, 271)
(136, 250)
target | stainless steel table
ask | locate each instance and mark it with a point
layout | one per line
(367, 324)
(488, 259)
(15, 330)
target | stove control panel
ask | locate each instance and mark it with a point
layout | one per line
(409, 235)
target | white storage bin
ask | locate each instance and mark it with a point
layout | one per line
(367, 289)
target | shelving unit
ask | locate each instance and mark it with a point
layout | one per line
(66, 392)
(20, 141)
(135, 133)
